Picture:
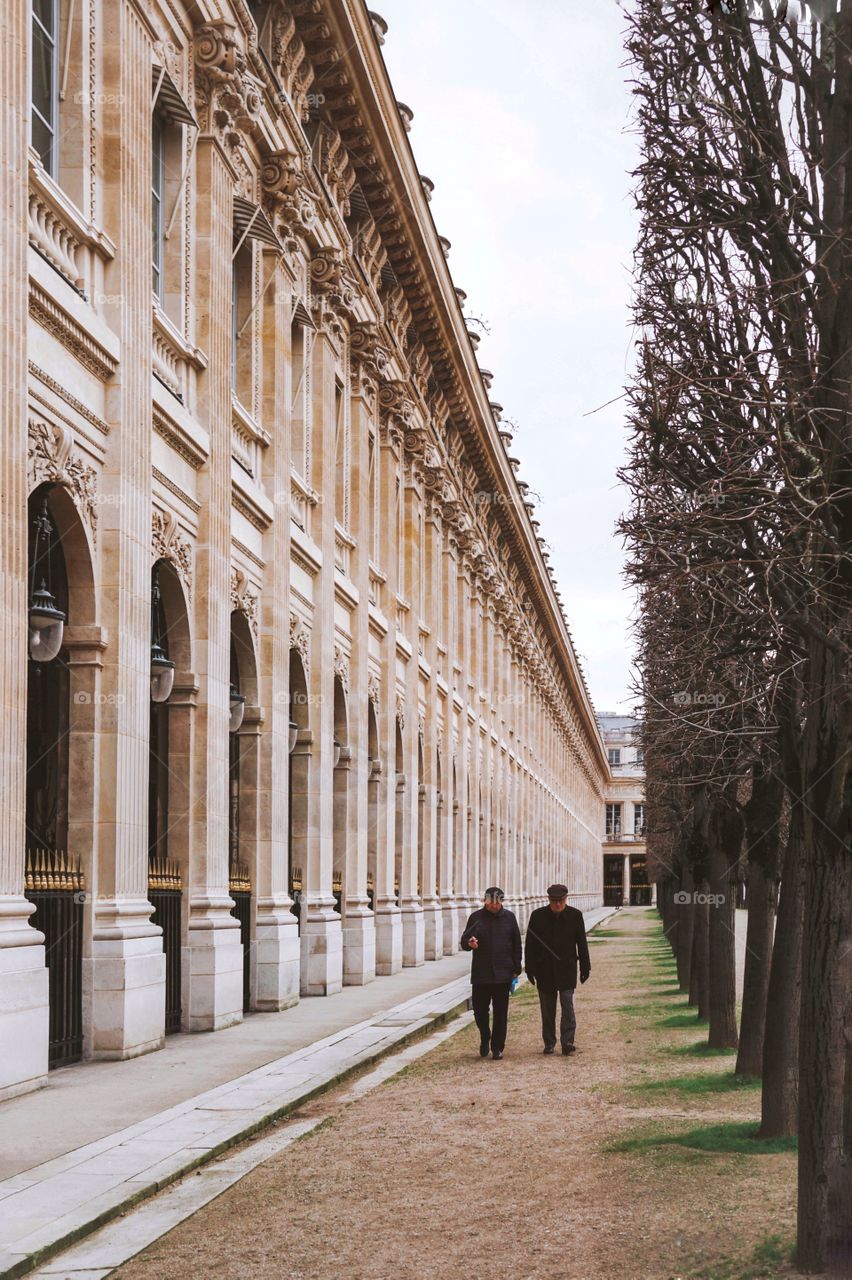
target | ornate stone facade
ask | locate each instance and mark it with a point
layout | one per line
(291, 444)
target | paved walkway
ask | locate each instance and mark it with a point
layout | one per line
(72, 1161)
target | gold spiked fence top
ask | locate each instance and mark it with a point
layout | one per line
(238, 878)
(337, 882)
(163, 873)
(52, 869)
(296, 880)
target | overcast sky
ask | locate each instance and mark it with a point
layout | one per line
(521, 120)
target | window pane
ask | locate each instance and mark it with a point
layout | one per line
(43, 95)
(44, 13)
(43, 142)
(157, 204)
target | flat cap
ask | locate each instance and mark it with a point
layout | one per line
(557, 891)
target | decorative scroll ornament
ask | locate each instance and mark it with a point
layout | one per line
(290, 60)
(400, 710)
(300, 641)
(433, 469)
(50, 459)
(397, 313)
(167, 544)
(365, 346)
(334, 295)
(341, 667)
(243, 598)
(374, 690)
(335, 165)
(287, 191)
(228, 98)
(368, 249)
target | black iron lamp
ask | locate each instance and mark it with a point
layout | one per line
(238, 706)
(46, 619)
(162, 668)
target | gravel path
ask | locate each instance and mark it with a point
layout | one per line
(468, 1167)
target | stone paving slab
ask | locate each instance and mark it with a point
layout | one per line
(57, 1202)
(63, 1199)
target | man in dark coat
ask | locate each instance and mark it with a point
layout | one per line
(492, 934)
(555, 942)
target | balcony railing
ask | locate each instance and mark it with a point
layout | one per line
(624, 837)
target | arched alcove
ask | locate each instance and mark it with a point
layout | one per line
(341, 782)
(299, 780)
(62, 716)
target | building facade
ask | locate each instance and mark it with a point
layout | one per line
(625, 868)
(286, 680)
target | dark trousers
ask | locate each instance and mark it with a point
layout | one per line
(486, 995)
(567, 1023)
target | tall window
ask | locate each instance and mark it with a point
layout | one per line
(158, 170)
(613, 819)
(372, 495)
(340, 486)
(241, 306)
(613, 755)
(639, 819)
(400, 540)
(45, 82)
(298, 372)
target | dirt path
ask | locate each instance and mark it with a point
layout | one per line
(464, 1167)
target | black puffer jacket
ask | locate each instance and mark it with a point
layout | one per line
(497, 958)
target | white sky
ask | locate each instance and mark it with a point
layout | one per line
(520, 119)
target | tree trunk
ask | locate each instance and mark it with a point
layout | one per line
(685, 930)
(762, 893)
(723, 959)
(779, 1102)
(825, 1057)
(699, 992)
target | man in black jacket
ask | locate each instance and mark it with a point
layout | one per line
(556, 940)
(492, 934)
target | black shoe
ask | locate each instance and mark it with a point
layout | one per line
(569, 1048)
(548, 1048)
(484, 1048)
(497, 1055)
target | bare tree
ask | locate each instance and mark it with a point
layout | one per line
(741, 409)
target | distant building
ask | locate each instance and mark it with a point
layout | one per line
(625, 867)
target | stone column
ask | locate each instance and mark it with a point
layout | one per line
(452, 911)
(277, 950)
(322, 934)
(413, 937)
(359, 930)
(214, 952)
(128, 964)
(23, 976)
(387, 914)
(430, 889)
(627, 879)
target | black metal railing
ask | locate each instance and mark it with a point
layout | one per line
(54, 884)
(164, 894)
(239, 887)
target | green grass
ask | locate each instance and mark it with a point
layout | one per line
(733, 1138)
(700, 1083)
(700, 1049)
(773, 1253)
(688, 1019)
